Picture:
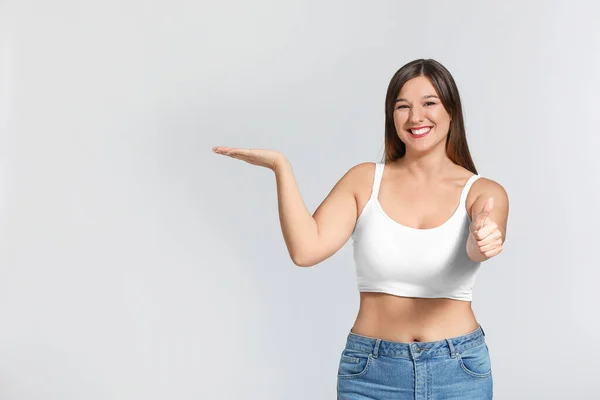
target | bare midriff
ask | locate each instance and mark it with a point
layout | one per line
(409, 319)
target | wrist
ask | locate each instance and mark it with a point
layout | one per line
(281, 163)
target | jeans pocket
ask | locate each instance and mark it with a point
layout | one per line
(476, 361)
(353, 363)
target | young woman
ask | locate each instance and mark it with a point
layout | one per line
(422, 220)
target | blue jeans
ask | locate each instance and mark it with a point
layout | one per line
(453, 368)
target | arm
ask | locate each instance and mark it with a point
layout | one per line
(487, 231)
(312, 239)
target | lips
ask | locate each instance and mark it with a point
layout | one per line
(420, 130)
(420, 127)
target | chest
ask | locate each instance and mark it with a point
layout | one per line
(420, 211)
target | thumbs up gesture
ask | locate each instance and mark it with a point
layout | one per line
(485, 239)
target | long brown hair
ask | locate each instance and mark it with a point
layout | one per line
(457, 148)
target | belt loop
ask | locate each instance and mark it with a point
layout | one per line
(452, 351)
(482, 331)
(376, 348)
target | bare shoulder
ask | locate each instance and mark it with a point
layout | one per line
(361, 175)
(486, 185)
(363, 169)
(359, 172)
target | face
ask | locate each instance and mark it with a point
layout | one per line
(420, 119)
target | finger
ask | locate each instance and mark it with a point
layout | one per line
(225, 150)
(236, 153)
(239, 152)
(493, 253)
(485, 249)
(480, 218)
(485, 231)
(491, 246)
(493, 237)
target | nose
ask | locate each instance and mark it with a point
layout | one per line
(416, 115)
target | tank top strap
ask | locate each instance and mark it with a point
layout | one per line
(467, 187)
(377, 179)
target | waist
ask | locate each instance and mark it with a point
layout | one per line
(408, 319)
(426, 349)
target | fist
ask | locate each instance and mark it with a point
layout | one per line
(485, 239)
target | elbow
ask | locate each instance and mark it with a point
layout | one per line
(299, 262)
(302, 261)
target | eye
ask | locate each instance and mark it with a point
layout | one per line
(402, 106)
(430, 102)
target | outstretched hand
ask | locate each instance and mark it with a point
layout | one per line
(261, 157)
(484, 235)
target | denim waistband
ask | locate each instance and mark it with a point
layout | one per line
(413, 350)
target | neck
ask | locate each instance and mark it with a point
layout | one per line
(426, 166)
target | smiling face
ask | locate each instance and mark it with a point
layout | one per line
(420, 118)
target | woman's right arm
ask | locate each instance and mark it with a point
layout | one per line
(312, 239)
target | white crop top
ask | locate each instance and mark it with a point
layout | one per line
(405, 261)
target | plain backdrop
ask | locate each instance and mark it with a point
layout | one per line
(137, 264)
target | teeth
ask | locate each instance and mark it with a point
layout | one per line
(420, 131)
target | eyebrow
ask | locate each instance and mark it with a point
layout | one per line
(427, 96)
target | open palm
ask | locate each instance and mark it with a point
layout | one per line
(261, 157)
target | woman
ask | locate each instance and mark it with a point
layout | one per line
(422, 221)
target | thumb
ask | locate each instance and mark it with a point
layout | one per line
(485, 212)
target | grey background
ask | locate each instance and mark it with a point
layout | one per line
(137, 264)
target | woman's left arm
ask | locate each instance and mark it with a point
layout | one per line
(489, 216)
